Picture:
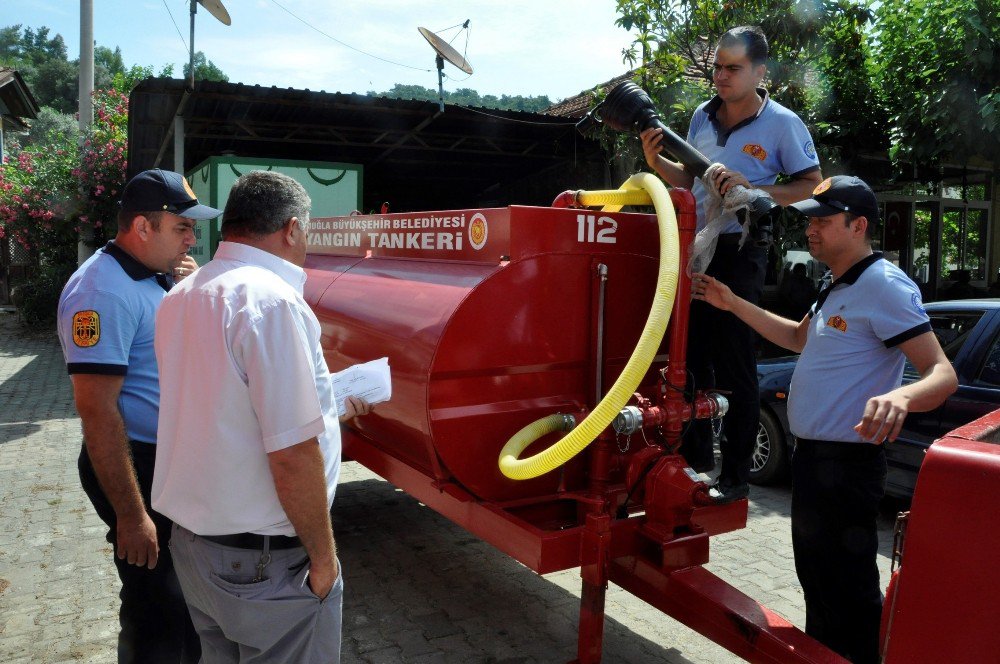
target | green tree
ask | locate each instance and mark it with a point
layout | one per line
(107, 64)
(10, 43)
(936, 65)
(401, 91)
(51, 121)
(467, 97)
(56, 84)
(42, 62)
(204, 69)
(127, 79)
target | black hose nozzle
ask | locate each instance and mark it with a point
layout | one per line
(629, 108)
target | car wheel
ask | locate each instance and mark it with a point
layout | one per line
(770, 455)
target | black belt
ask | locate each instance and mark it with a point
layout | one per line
(254, 541)
(730, 239)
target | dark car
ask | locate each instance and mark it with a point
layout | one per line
(969, 332)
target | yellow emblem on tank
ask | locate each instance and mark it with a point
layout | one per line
(478, 231)
(86, 328)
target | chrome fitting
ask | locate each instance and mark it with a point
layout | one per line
(628, 421)
(721, 405)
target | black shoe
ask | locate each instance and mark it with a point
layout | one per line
(705, 467)
(722, 493)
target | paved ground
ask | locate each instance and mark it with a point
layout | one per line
(419, 589)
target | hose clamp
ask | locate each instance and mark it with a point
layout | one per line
(569, 422)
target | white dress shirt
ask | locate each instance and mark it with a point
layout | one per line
(242, 374)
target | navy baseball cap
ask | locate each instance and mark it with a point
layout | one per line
(841, 193)
(158, 190)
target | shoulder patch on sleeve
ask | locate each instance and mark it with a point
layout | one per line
(86, 328)
(809, 149)
(917, 303)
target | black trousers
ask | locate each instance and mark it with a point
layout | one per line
(721, 354)
(836, 489)
(155, 624)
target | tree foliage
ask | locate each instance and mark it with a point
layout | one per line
(52, 193)
(50, 121)
(53, 189)
(42, 62)
(53, 78)
(204, 69)
(937, 67)
(467, 97)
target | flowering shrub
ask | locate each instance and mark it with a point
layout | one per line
(38, 194)
(54, 193)
(101, 173)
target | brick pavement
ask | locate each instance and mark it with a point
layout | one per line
(419, 589)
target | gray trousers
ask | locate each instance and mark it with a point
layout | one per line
(240, 619)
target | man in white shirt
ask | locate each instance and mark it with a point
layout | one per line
(248, 452)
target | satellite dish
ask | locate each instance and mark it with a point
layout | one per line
(444, 52)
(216, 9)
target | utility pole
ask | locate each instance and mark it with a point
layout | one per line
(83, 248)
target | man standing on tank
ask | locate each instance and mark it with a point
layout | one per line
(755, 139)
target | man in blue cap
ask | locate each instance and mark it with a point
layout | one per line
(106, 315)
(845, 402)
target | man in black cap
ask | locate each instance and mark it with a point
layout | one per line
(845, 401)
(106, 315)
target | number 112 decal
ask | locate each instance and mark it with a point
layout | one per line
(591, 228)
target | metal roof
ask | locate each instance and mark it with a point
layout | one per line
(17, 99)
(413, 156)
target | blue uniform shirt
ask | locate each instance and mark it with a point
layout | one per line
(106, 316)
(852, 349)
(773, 141)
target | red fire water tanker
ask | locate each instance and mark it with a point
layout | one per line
(539, 397)
(539, 393)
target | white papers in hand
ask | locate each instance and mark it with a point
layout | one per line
(371, 381)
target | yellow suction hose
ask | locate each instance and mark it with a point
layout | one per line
(637, 190)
